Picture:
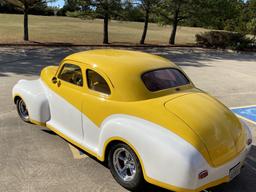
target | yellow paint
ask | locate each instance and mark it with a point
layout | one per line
(221, 133)
(72, 141)
(147, 178)
(178, 189)
(159, 183)
(76, 153)
(122, 71)
(37, 122)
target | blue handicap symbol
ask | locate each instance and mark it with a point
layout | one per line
(246, 112)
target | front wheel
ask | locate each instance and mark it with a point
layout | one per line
(22, 110)
(125, 167)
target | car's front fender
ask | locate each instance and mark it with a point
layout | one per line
(32, 92)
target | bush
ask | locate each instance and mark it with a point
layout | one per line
(73, 13)
(81, 14)
(224, 39)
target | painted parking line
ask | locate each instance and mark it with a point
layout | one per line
(247, 113)
(77, 153)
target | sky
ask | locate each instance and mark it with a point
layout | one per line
(57, 3)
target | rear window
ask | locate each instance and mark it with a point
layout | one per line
(164, 79)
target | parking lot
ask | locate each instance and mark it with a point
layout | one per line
(32, 158)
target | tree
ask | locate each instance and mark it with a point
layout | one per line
(250, 14)
(148, 6)
(25, 5)
(251, 26)
(103, 9)
(7, 8)
(172, 12)
(131, 12)
(217, 14)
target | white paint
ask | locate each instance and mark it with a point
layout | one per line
(33, 94)
(65, 117)
(166, 157)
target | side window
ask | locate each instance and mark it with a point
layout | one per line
(96, 82)
(72, 74)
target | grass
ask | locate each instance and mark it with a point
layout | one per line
(77, 31)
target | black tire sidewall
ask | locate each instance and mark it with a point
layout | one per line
(138, 181)
(21, 116)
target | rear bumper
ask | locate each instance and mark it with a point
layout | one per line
(216, 175)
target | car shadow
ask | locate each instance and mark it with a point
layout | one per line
(29, 61)
(246, 181)
(49, 132)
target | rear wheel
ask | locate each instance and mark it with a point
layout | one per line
(22, 110)
(125, 167)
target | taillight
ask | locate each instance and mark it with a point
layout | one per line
(203, 174)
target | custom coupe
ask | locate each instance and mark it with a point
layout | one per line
(140, 114)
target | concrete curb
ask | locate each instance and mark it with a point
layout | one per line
(90, 45)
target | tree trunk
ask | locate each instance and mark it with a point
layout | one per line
(174, 28)
(25, 37)
(144, 34)
(105, 38)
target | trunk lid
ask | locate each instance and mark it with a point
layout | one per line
(217, 127)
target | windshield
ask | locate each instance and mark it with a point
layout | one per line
(164, 79)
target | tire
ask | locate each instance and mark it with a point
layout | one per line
(22, 110)
(120, 157)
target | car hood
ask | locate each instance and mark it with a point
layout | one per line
(216, 126)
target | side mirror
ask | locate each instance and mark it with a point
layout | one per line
(54, 80)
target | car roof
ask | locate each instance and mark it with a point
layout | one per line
(114, 59)
(123, 68)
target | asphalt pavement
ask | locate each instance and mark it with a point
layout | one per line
(32, 158)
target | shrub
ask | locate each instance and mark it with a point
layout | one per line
(224, 39)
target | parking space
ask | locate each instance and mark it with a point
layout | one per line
(247, 113)
(32, 158)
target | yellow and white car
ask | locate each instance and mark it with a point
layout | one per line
(142, 115)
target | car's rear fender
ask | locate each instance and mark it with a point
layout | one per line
(167, 159)
(164, 155)
(32, 92)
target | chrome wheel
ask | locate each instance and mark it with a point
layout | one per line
(22, 110)
(125, 167)
(124, 164)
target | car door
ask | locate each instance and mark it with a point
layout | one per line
(66, 101)
(95, 102)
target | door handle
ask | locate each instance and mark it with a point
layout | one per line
(59, 83)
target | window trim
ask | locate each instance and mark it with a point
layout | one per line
(189, 82)
(105, 79)
(61, 68)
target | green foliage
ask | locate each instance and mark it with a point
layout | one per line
(71, 5)
(35, 7)
(111, 7)
(131, 12)
(87, 14)
(251, 26)
(224, 39)
(167, 8)
(74, 13)
(214, 13)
